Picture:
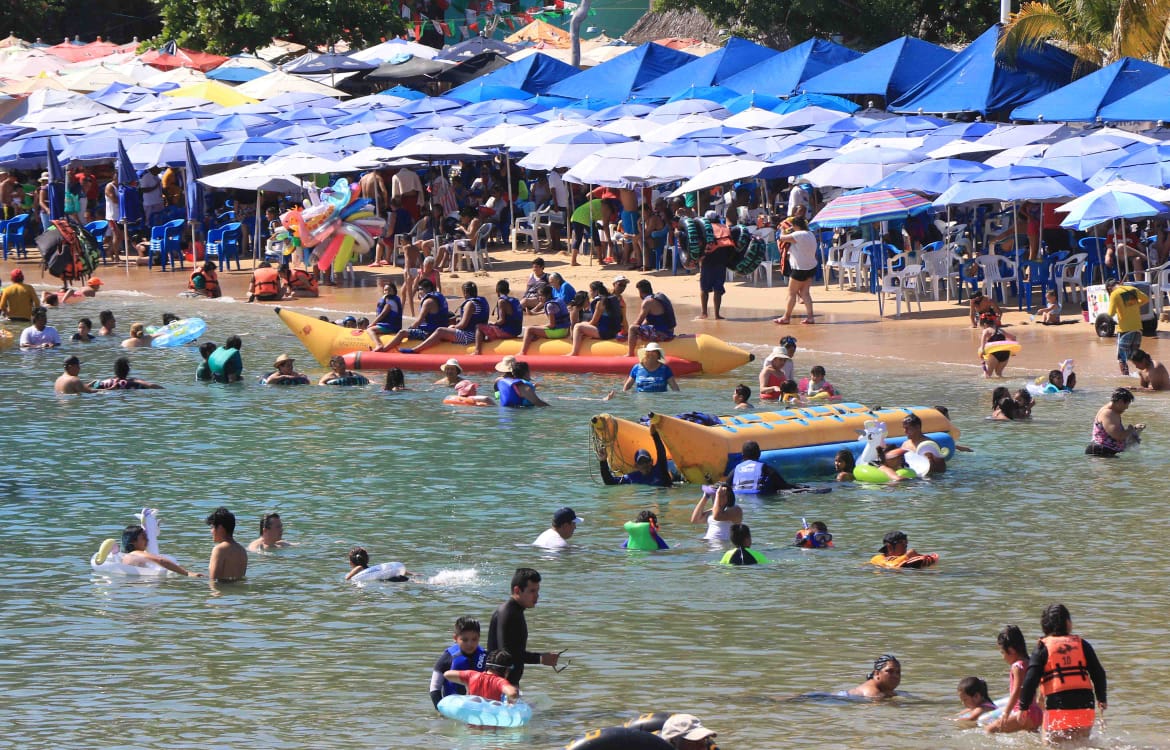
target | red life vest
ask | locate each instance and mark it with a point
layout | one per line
(210, 283)
(302, 281)
(266, 283)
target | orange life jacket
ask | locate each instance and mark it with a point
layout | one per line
(265, 282)
(1066, 668)
(210, 283)
(302, 281)
(722, 237)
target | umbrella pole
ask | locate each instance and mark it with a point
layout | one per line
(126, 246)
(512, 203)
(1016, 246)
(256, 238)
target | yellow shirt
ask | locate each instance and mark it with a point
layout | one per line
(1126, 303)
(18, 301)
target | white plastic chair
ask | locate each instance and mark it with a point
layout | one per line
(767, 235)
(526, 226)
(941, 265)
(842, 258)
(900, 283)
(1158, 278)
(1067, 275)
(998, 271)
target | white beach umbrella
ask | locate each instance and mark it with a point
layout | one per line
(631, 127)
(250, 177)
(754, 118)
(606, 166)
(679, 128)
(1028, 154)
(297, 164)
(679, 161)
(427, 147)
(863, 167)
(545, 132)
(719, 174)
(497, 136)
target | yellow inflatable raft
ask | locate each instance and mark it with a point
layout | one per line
(324, 340)
(797, 442)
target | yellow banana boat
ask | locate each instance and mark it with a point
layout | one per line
(799, 443)
(324, 340)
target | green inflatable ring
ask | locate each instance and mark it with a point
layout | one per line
(873, 475)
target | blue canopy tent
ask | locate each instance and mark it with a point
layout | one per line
(736, 56)
(784, 74)
(979, 80)
(535, 74)
(616, 79)
(888, 71)
(1150, 102)
(1083, 99)
(236, 75)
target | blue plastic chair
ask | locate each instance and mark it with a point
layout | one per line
(166, 241)
(1095, 247)
(1037, 274)
(99, 229)
(223, 244)
(12, 235)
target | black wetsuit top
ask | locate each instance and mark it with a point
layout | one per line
(509, 630)
(660, 477)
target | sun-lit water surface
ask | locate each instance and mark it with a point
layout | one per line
(295, 657)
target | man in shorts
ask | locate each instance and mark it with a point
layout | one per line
(712, 275)
(472, 314)
(559, 322)
(1125, 303)
(655, 321)
(508, 322)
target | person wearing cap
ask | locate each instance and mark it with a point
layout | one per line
(40, 335)
(70, 382)
(452, 373)
(686, 732)
(508, 322)
(509, 629)
(895, 552)
(649, 470)
(1125, 303)
(432, 315)
(774, 374)
(284, 374)
(564, 523)
(651, 374)
(514, 387)
(656, 320)
(882, 681)
(18, 300)
(473, 312)
(41, 202)
(559, 322)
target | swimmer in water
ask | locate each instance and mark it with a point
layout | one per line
(883, 681)
(843, 464)
(742, 397)
(271, 534)
(976, 702)
(229, 559)
(359, 559)
(134, 553)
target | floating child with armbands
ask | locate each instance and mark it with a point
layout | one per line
(814, 535)
(464, 655)
(642, 533)
(489, 684)
(743, 554)
(895, 553)
(1012, 719)
(976, 702)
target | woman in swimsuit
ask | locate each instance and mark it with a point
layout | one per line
(1110, 435)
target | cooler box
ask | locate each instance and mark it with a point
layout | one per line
(1098, 301)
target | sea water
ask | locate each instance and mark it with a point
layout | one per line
(295, 657)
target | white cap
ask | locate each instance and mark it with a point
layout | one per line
(686, 726)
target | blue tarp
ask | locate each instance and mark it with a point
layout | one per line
(536, 74)
(783, 74)
(888, 71)
(1083, 99)
(616, 79)
(978, 80)
(1149, 101)
(736, 56)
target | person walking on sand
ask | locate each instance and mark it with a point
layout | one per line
(802, 266)
(1125, 302)
(229, 559)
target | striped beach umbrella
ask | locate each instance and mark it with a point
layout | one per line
(866, 208)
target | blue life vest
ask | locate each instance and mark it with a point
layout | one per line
(748, 478)
(646, 381)
(461, 662)
(611, 316)
(509, 396)
(437, 319)
(394, 320)
(560, 313)
(666, 321)
(480, 314)
(514, 323)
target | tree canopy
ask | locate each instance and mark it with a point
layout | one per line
(863, 24)
(227, 26)
(1098, 32)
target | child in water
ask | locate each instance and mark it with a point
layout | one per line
(815, 385)
(843, 464)
(742, 397)
(743, 554)
(489, 684)
(814, 535)
(359, 559)
(465, 654)
(975, 700)
(1015, 652)
(643, 532)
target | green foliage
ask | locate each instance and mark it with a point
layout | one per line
(227, 26)
(1098, 32)
(862, 24)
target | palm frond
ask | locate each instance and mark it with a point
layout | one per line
(1034, 24)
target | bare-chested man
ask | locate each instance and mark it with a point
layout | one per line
(229, 559)
(1152, 374)
(69, 382)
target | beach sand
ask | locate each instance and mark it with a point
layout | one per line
(847, 321)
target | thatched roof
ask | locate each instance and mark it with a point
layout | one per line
(690, 24)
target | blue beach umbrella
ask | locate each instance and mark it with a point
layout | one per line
(28, 151)
(192, 189)
(674, 110)
(434, 105)
(959, 131)
(844, 125)
(436, 120)
(904, 127)
(1107, 204)
(738, 104)
(931, 177)
(1149, 165)
(314, 115)
(717, 94)
(617, 112)
(242, 150)
(99, 146)
(486, 92)
(1013, 183)
(402, 92)
(824, 101)
(498, 107)
(371, 115)
(129, 198)
(298, 132)
(168, 148)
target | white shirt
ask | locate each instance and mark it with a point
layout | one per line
(32, 337)
(559, 190)
(405, 181)
(550, 539)
(151, 187)
(802, 253)
(797, 197)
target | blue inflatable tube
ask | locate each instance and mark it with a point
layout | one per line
(475, 711)
(811, 463)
